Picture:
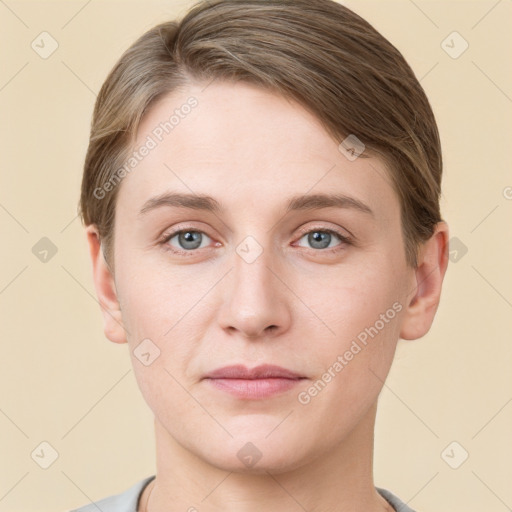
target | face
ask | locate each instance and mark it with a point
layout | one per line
(268, 277)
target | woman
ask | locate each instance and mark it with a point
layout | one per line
(261, 201)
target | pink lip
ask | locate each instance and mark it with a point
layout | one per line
(256, 383)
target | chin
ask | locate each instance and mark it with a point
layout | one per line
(251, 452)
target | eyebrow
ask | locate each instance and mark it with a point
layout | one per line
(296, 203)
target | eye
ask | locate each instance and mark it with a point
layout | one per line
(322, 239)
(187, 240)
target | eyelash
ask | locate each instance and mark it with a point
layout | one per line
(345, 240)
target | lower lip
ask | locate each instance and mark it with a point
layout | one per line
(254, 388)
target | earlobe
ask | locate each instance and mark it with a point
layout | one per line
(429, 274)
(105, 289)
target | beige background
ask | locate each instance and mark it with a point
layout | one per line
(63, 383)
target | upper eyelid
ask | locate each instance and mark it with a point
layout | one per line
(326, 228)
(178, 230)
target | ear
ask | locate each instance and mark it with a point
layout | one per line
(105, 289)
(429, 274)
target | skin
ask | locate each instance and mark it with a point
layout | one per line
(296, 305)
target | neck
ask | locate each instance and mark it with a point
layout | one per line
(340, 480)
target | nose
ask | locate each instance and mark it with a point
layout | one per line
(256, 302)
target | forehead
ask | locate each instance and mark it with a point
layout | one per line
(249, 146)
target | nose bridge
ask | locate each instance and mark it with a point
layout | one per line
(255, 303)
(251, 268)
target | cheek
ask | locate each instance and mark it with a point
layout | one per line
(164, 314)
(360, 315)
(153, 300)
(346, 300)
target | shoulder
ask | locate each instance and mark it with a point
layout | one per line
(394, 501)
(127, 501)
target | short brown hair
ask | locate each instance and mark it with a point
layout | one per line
(320, 54)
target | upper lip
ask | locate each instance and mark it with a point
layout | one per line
(264, 371)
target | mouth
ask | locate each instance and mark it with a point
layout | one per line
(260, 382)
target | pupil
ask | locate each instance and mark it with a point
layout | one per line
(190, 239)
(320, 238)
